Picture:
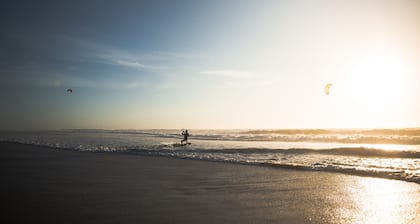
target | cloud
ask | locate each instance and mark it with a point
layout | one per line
(138, 65)
(49, 78)
(229, 73)
(74, 82)
(149, 62)
(79, 67)
(94, 52)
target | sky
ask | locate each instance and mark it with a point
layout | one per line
(209, 64)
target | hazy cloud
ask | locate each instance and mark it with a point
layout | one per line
(228, 73)
(138, 65)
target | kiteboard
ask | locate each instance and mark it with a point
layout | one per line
(180, 145)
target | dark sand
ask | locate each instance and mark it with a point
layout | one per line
(44, 185)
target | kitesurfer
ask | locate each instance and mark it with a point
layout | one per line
(185, 134)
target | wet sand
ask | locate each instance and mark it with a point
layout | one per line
(45, 185)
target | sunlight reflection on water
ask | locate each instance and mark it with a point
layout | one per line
(377, 200)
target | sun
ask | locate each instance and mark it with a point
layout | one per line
(378, 81)
(376, 89)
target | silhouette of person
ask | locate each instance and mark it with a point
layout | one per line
(185, 134)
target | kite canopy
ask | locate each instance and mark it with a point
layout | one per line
(327, 88)
(69, 90)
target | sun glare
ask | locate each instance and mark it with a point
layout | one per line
(376, 88)
(378, 81)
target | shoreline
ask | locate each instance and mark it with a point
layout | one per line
(48, 185)
(352, 172)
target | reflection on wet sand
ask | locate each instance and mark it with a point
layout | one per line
(375, 200)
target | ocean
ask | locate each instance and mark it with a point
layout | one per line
(386, 153)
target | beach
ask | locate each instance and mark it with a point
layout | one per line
(48, 185)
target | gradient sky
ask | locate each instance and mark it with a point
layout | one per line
(209, 64)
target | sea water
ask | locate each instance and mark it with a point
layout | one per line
(388, 153)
